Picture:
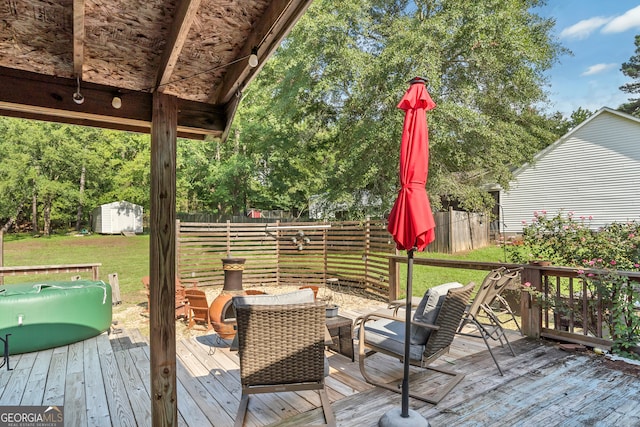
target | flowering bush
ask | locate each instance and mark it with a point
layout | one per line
(599, 255)
(566, 240)
(619, 298)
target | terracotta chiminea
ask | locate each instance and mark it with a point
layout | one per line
(221, 310)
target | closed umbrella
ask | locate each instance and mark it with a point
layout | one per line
(411, 222)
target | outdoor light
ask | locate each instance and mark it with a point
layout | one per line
(77, 96)
(116, 102)
(253, 58)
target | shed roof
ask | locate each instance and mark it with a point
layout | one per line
(196, 50)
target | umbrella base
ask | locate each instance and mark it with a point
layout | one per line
(393, 418)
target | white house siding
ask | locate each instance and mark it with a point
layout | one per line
(593, 171)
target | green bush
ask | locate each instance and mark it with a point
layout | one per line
(599, 255)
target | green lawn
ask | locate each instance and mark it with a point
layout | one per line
(129, 257)
(425, 277)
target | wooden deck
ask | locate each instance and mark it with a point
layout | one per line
(104, 381)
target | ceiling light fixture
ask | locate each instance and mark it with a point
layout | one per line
(77, 96)
(253, 58)
(116, 102)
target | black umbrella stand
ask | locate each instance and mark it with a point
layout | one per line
(405, 417)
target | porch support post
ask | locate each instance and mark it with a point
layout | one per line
(162, 268)
(529, 307)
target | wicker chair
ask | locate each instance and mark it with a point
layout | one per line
(433, 328)
(481, 316)
(281, 348)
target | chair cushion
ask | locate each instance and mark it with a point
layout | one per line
(427, 311)
(389, 335)
(301, 296)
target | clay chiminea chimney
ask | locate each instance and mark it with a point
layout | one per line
(221, 311)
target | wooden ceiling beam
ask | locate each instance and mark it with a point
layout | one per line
(78, 37)
(185, 14)
(36, 96)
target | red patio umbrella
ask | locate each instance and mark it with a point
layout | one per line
(411, 221)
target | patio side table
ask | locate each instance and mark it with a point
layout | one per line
(341, 331)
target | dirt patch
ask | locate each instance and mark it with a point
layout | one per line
(133, 314)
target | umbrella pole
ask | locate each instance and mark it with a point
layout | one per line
(407, 335)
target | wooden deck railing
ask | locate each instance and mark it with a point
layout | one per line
(567, 310)
(26, 270)
(574, 319)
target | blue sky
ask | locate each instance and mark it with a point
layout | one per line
(600, 33)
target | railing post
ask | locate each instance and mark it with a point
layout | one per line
(530, 307)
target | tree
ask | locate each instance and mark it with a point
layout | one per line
(60, 170)
(323, 110)
(631, 69)
(16, 175)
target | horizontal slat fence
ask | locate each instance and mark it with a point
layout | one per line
(309, 253)
(288, 253)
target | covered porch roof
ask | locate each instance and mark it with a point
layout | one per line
(195, 50)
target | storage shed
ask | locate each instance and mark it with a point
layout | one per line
(593, 171)
(117, 217)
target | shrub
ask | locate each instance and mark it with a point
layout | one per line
(599, 255)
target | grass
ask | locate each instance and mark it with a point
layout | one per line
(129, 257)
(425, 277)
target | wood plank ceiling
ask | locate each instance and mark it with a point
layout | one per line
(195, 50)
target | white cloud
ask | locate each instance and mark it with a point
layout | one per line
(627, 21)
(598, 68)
(584, 28)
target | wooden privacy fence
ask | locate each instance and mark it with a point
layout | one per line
(288, 253)
(459, 231)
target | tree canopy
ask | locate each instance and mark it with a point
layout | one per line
(323, 109)
(632, 69)
(321, 118)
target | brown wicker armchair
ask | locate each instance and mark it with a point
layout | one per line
(433, 328)
(281, 348)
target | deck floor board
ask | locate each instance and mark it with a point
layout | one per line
(105, 381)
